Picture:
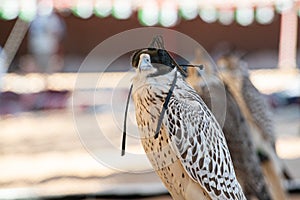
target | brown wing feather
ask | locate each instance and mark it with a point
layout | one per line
(200, 144)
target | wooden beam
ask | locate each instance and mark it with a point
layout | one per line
(288, 40)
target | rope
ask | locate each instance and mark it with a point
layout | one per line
(165, 106)
(125, 122)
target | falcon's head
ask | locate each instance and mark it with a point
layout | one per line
(153, 62)
(233, 65)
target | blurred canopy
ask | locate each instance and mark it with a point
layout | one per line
(156, 12)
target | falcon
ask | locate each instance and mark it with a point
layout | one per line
(181, 137)
(235, 129)
(257, 107)
(256, 111)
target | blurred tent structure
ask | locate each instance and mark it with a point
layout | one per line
(174, 14)
(41, 153)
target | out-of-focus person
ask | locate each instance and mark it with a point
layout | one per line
(46, 35)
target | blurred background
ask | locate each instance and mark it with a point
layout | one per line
(43, 43)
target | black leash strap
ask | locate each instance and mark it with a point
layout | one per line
(165, 106)
(125, 122)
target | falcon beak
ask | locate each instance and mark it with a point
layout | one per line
(144, 63)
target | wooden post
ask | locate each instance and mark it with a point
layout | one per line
(288, 40)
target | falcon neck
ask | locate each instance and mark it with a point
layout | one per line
(161, 82)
